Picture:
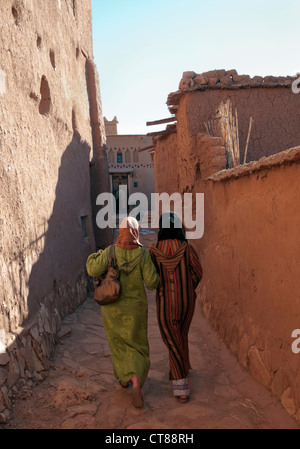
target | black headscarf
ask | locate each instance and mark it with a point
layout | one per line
(170, 227)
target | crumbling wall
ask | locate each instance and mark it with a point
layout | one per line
(270, 101)
(46, 145)
(186, 157)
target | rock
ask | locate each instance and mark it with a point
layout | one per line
(280, 79)
(183, 84)
(201, 80)
(186, 83)
(32, 361)
(13, 371)
(34, 332)
(2, 404)
(270, 79)
(257, 80)
(188, 75)
(4, 416)
(4, 398)
(3, 376)
(4, 358)
(231, 72)
(215, 73)
(226, 80)
(213, 81)
(37, 377)
(241, 79)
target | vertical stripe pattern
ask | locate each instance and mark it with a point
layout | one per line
(180, 272)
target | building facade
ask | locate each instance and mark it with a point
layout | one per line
(130, 162)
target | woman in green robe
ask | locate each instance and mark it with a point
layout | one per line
(125, 321)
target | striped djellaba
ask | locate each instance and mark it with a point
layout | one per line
(180, 272)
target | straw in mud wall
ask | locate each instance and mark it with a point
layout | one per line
(224, 124)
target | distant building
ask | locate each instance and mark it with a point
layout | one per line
(128, 164)
(111, 126)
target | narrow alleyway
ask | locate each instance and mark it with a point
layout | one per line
(81, 392)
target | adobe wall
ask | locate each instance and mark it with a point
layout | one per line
(186, 157)
(251, 245)
(270, 101)
(249, 251)
(51, 128)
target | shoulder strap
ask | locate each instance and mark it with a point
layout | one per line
(112, 256)
(138, 258)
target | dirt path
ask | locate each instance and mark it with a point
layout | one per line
(81, 392)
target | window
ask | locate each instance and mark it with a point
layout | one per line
(119, 158)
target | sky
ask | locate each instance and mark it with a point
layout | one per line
(142, 48)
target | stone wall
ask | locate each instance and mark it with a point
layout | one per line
(51, 132)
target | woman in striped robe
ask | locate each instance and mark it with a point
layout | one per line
(180, 272)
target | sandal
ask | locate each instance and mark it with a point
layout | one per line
(137, 397)
(124, 385)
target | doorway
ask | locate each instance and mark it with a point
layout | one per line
(118, 180)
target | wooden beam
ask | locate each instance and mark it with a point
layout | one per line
(164, 120)
(160, 133)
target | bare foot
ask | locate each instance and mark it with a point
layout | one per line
(137, 397)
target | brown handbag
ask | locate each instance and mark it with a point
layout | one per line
(108, 288)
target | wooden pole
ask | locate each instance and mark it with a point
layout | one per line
(164, 120)
(248, 137)
(160, 133)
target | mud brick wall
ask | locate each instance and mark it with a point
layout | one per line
(251, 246)
(51, 135)
(270, 101)
(249, 251)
